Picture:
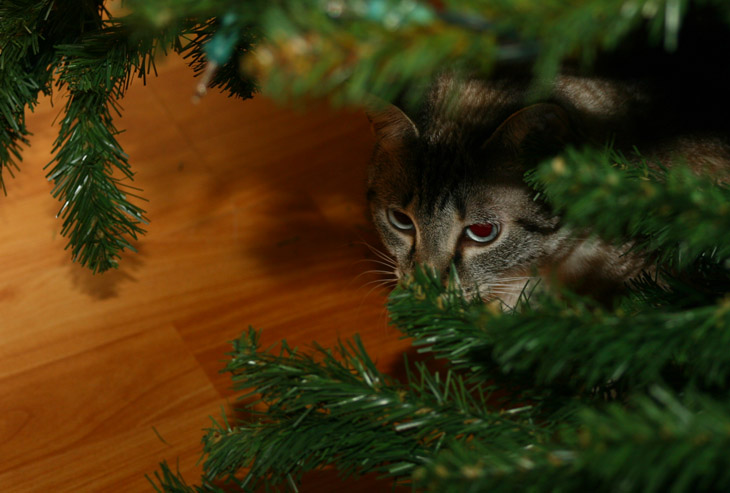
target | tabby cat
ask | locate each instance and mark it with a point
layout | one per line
(446, 187)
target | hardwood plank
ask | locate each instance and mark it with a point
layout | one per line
(258, 217)
(71, 420)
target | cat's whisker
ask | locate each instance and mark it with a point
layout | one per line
(389, 273)
(383, 276)
(384, 272)
(493, 289)
(377, 271)
(518, 285)
(384, 258)
(504, 293)
(380, 284)
(391, 265)
(513, 285)
(380, 254)
(521, 282)
(389, 260)
(505, 289)
(519, 278)
(386, 283)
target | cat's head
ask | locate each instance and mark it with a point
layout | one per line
(450, 191)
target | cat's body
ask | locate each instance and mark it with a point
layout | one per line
(447, 186)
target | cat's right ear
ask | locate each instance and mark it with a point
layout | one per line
(535, 132)
(390, 124)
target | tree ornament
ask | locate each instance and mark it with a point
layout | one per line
(218, 51)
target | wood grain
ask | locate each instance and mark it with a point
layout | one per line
(258, 217)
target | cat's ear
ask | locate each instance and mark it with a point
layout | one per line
(390, 123)
(534, 132)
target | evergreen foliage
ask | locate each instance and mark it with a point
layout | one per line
(561, 393)
(90, 56)
(677, 214)
(344, 408)
(347, 51)
(547, 342)
(661, 442)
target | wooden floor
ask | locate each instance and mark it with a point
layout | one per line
(257, 218)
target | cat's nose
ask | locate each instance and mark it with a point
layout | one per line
(440, 272)
(433, 263)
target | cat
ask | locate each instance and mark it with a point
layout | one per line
(446, 187)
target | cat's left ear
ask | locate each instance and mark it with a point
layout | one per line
(391, 123)
(535, 132)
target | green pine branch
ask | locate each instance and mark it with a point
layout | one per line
(701, 283)
(350, 56)
(660, 442)
(676, 215)
(563, 355)
(98, 217)
(168, 481)
(336, 408)
(347, 51)
(565, 339)
(350, 51)
(92, 58)
(22, 76)
(90, 170)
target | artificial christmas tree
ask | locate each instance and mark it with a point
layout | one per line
(563, 393)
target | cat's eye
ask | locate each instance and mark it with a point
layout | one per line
(400, 220)
(482, 233)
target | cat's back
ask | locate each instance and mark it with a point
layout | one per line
(630, 113)
(599, 107)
